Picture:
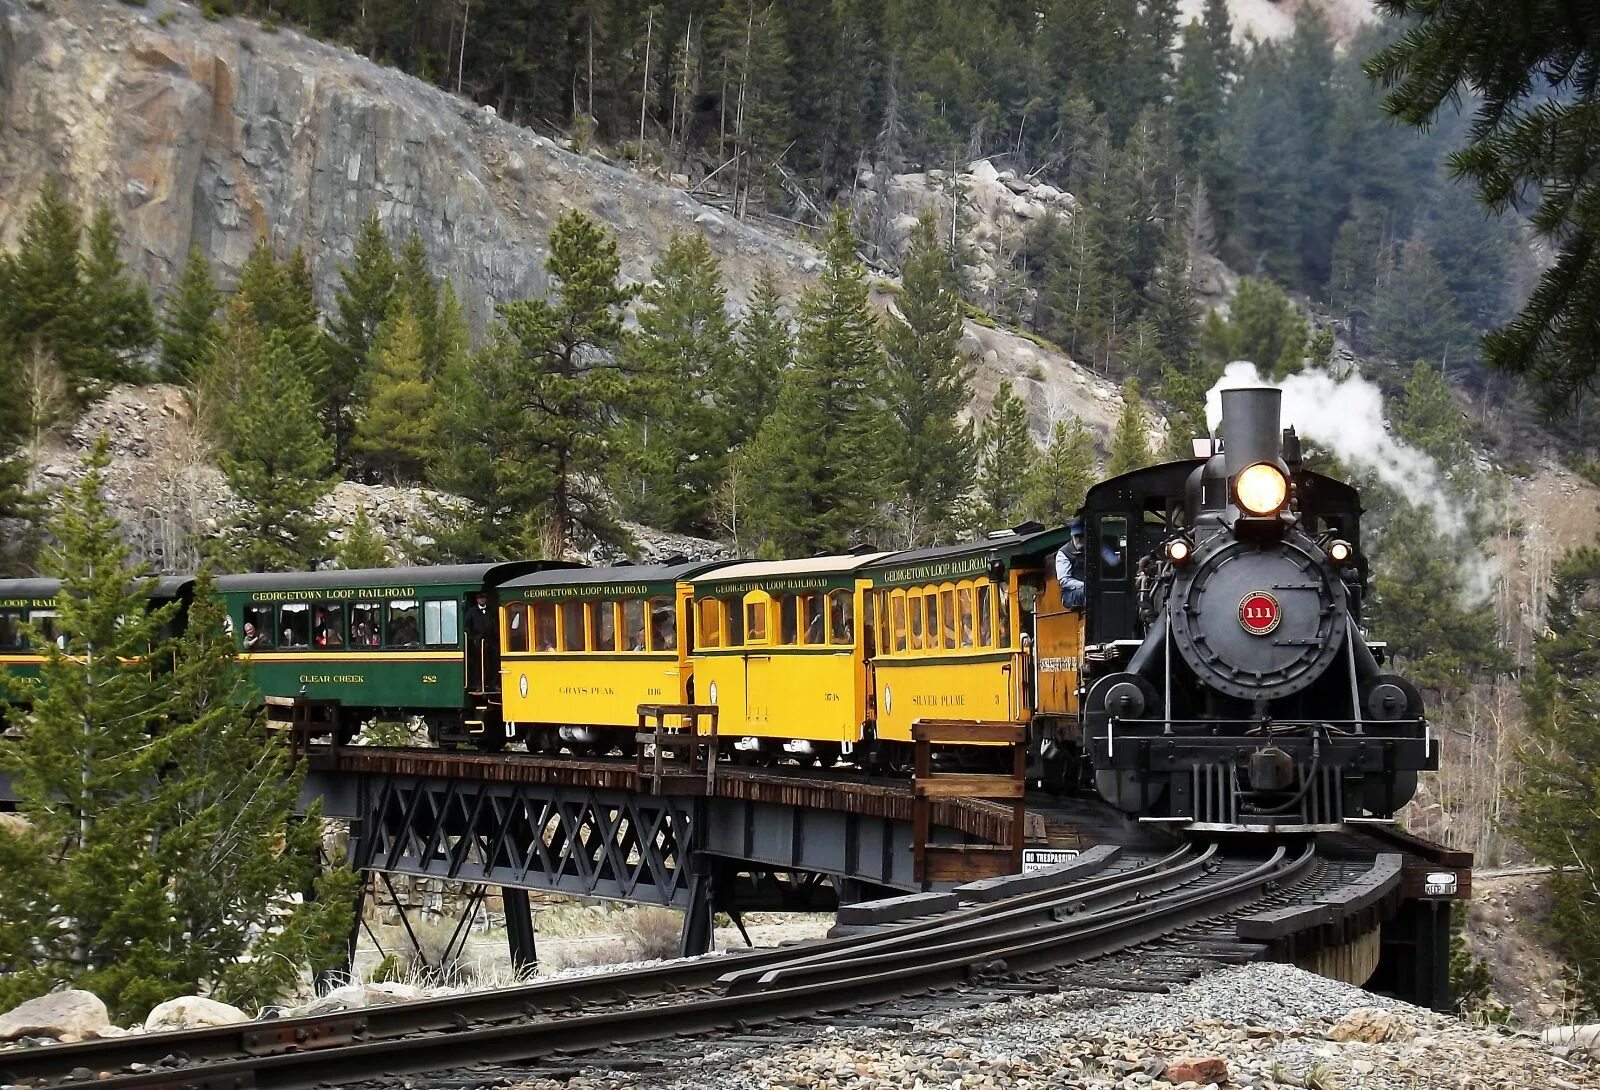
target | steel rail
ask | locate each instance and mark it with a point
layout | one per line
(1092, 935)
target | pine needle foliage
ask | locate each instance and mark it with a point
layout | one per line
(190, 326)
(1130, 443)
(1531, 70)
(158, 815)
(1007, 461)
(748, 390)
(360, 306)
(363, 545)
(1062, 476)
(395, 432)
(820, 464)
(930, 379)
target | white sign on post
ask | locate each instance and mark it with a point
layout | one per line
(1037, 859)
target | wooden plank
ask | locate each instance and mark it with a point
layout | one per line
(953, 785)
(965, 862)
(958, 731)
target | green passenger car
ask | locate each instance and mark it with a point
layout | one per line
(381, 642)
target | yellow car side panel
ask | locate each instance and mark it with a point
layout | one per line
(591, 690)
(920, 688)
(777, 694)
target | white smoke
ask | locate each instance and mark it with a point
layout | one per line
(1346, 417)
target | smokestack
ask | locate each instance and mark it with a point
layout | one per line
(1250, 434)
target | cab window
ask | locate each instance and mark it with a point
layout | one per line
(841, 618)
(365, 624)
(258, 632)
(964, 598)
(403, 631)
(603, 626)
(1113, 546)
(516, 627)
(633, 624)
(710, 611)
(664, 626)
(441, 623)
(10, 629)
(572, 626)
(985, 616)
(544, 626)
(294, 625)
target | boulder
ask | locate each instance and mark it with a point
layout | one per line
(352, 996)
(1371, 1026)
(190, 1012)
(1200, 1069)
(72, 1011)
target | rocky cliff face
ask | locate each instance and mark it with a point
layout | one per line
(216, 132)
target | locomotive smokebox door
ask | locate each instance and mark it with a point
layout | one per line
(1270, 769)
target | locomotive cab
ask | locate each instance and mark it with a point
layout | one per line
(1227, 683)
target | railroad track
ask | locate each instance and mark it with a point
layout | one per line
(1017, 945)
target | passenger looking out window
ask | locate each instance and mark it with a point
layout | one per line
(295, 623)
(841, 618)
(258, 628)
(328, 626)
(403, 631)
(664, 625)
(10, 629)
(544, 626)
(633, 624)
(365, 630)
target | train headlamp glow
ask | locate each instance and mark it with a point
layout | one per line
(1261, 489)
(1179, 550)
(1340, 552)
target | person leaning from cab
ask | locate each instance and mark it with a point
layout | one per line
(1070, 566)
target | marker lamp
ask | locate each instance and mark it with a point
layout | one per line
(1261, 489)
(1179, 550)
(1340, 552)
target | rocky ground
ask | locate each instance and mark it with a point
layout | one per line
(1258, 1026)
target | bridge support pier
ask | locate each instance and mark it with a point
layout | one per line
(519, 930)
(1415, 961)
(698, 917)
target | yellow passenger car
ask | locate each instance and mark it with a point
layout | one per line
(583, 648)
(781, 650)
(973, 631)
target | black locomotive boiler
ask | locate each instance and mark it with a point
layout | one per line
(1228, 684)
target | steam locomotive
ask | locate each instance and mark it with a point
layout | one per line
(1226, 681)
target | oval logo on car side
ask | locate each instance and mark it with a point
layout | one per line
(1258, 613)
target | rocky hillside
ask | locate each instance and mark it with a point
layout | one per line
(213, 133)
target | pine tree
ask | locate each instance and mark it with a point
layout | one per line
(766, 349)
(675, 452)
(395, 432)
(1007, 461)
(414, 284)
(529, 427)
(159, 816)
(1130, 443)
(1183, 390)
(1530, 134)
(1415, 317)
(190, 328)
(360, 306)
(282, 300)
(1263, 327)
(362, 546)
(1062, 476)
(929, 384)
(42, 301)
(277, 463)
(817, 465)
(121, 324)
(1554, 811)
(1173, 309)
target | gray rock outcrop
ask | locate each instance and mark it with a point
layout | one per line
(191, 1012)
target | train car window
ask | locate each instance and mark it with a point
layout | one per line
(947, 614)
(788, 619)
(47, 622)
(441, 623)
(543, 623)
(327, 625)
(897, 606)
(1002, 613)
(365, 624)
(294, 625)
(964, 596)
(664, 626)
(259, 633)
(516, 626)
(841, 618)
(633, 624)
(402, 623)
(755, 628)
(914, 608)
(812, 619)
(985, 606)
(734, 610)
(572, 638)
(10, 629)
(710, 622)
(1113, 547)
(603, 626)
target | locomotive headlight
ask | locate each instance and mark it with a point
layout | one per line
(1340, 552)
(1179, 550)
(1261, 489)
